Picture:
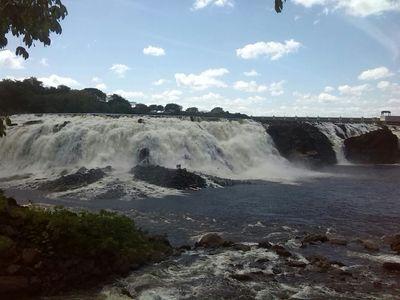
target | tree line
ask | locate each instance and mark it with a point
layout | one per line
(31, 96)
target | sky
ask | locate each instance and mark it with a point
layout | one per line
(316, 58)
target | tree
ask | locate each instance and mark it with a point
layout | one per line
(172, 108)
(192, 110)
(32, 20)
(279, 5)
(156, 108)
(217, 111)
(141, 109)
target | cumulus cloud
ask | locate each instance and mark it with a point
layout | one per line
(8, 60)
(273, 50)
(55, 80)
(327, 97)
(154, 51)
(359, 8)
(168, 96)
(202, 81)
(119, 69)
(357, 90)
(252, 73)
(276, 88)
(375, 74)
(130, 95)
(101, 86)
(160, 82)
(249, 87)
(200, 4)
(329, 89)
(44, 62)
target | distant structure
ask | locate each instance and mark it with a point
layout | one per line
(387, 118)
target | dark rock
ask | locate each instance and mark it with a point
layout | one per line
(375, 147)
(265, 245)
(281, 251)
(58, 127)
(144, 156)
(241, 247)
(370, 245)
(171, 178)
(302, 143)
(391, 266)
(314, 238)
(33, 122)
(76, 180)
(296, 264)
(242, 277)
(212, 240)
(13, 284)
(30, 256)
(395, 243)
(140, 121)
(338, 241)
(185, 248)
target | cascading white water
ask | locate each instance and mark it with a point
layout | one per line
(229, 149)
(337, 134)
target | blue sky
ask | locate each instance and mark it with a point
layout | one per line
(317, 58)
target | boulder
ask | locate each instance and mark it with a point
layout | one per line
(314, 239)
(281, 251)
(212, 240)
(241, 247)
(391, 266)
(144, 156)
(82, 177)
(265, 245)
(58, 127)
(395, 243)
(302, 143)
(370, 245)
(180, 179)
(375, 147)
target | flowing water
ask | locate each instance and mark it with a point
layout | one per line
(285, 203)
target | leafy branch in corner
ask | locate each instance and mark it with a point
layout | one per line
(33, 20)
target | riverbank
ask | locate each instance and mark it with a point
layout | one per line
(51, 251)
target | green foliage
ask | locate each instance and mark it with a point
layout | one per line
(31, 20)
(30, 96)
(65, 233)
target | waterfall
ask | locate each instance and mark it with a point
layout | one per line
(61, 144)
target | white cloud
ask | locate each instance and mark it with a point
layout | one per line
(249, 87)
(276, 88)
(327, 97)
(168, 96)
(55, 80)
(8, 60)
(357, 90)
(274, 50)
(160, 82)
(375, 74)
(130, 95)
(44, 62)
(119, 69)
(202, 81)
(359, 8)
(96, 79)
(252, 73)
(329, 89)
(200, 4)
(101, 86)
(383, 85)
(154, 51)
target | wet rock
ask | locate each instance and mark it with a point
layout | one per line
(302, 143)
(212, 240)
(33, 122)
(265, 245)
(321, 262)
(30, 256)
(296, 264)
(370, 245)
(58, 127)
(185, 248)
(13, 284)
(375, 147)
(140, 121)
(82, 177)
(338, 241)
(281, 251)
(242, 277)
(241, 247)
(391, 266)
(395, 243)
(144, 156)
(314, 239)
(171, 178)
